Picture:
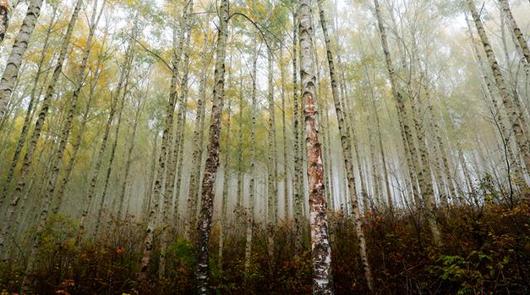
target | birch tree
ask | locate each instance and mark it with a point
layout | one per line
(515, 114)
(212, 161)
(344, 132)
(14, 61)
(43, 112)
(320, 247)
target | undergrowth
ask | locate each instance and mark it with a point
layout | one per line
(486, 250)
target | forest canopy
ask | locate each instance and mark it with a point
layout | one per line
(264, 147)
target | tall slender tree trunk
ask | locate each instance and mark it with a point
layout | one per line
(344, 133)
(110, 164)
(76, 145)
(375, 183)
(442, 148)
(128, 162)
(425, 177)
(405, 129)
(388, 191)
(515, 114)
(175, 156)
(11, 71)
(28, 157)
(272, 187)
(57, 160)
(198, 135)
(122, 81)
(320, 246)
(519, 37)
(240, 174)
(212, 161)
(497, 113)
(298, 206)
(146, 208)
(226, 181)
(181, 124)
(252, 184)
(324, 125)
(178, 154)
(50, 92)
(406, 134)
(286, 182)
(357, 153)
(164, 157)
(30, 111)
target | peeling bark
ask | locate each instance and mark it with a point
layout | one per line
(320, 247)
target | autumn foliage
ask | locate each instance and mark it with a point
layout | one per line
(486, 250)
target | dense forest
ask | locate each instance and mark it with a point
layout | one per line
(264, 147)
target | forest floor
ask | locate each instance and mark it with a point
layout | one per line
(486, 250)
